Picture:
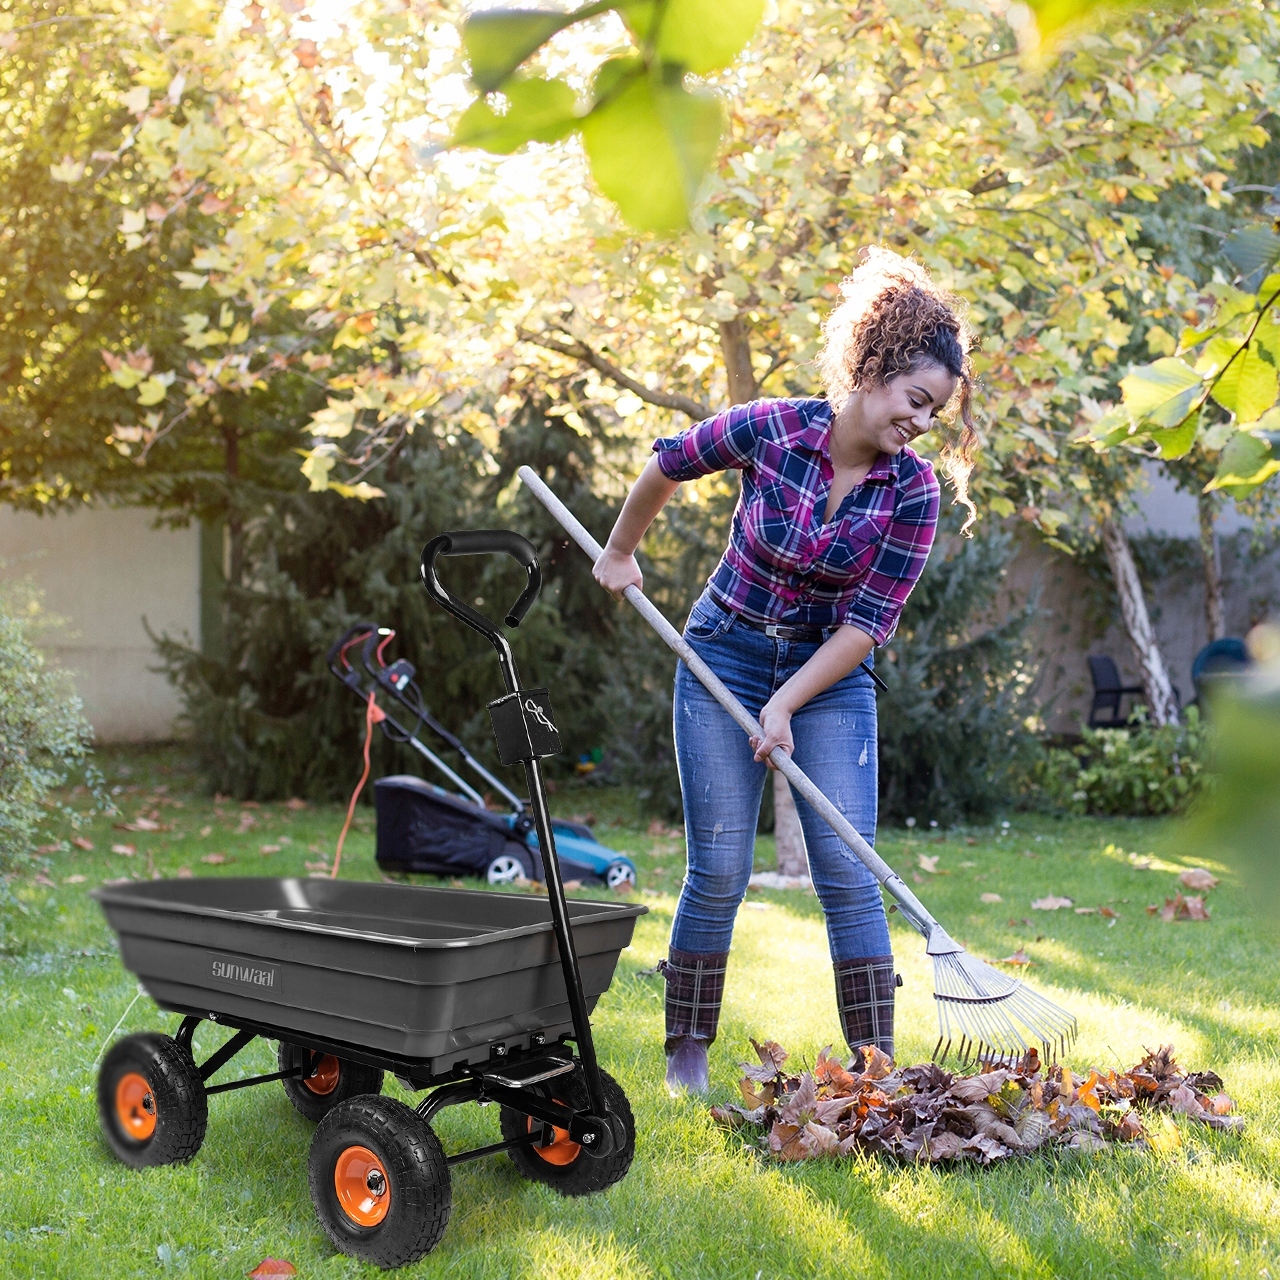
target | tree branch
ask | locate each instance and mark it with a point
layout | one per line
(575, 349)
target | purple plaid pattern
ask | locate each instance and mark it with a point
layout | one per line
(782, 563)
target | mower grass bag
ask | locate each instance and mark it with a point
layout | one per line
(425, 829)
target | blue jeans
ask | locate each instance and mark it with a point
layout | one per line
(835, 744)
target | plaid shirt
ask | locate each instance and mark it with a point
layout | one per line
(783, 564)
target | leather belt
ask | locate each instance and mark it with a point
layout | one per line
(779, 631)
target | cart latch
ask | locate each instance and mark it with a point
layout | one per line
(524, 727)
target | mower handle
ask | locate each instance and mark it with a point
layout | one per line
(476, 542)
(338, 650)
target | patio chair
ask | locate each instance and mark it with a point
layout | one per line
(1107, 692)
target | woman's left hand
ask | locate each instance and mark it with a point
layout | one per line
(776, 723)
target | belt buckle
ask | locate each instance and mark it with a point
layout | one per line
(775, 631)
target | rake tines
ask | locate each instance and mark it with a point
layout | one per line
(990, 1016)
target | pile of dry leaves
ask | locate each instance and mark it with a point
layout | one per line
(925, 1113)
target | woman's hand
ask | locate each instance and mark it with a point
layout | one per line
(776, 723)
(615, 572)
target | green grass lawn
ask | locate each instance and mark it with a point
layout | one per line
(698, 1201)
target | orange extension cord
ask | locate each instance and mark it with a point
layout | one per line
(373, 714)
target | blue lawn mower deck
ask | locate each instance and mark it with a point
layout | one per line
(474, 996)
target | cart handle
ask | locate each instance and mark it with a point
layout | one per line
(475, 542)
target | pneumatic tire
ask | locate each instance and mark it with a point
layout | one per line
(151, 1101)
(379, 1181)
(562, 1163)
(334, 1080)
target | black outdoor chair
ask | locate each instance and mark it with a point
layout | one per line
(1107, 692)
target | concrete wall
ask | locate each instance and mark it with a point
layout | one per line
(103, 571)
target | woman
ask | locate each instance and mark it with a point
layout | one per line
(834, 523)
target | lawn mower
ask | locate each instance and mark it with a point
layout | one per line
(476, 996)
(423, 827)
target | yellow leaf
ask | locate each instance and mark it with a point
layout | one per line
(316, 468)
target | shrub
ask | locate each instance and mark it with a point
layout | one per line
(1140, 770)
(43, 733)
(954, 736)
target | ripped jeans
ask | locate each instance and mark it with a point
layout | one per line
(835, 744)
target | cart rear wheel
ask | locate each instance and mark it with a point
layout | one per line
(379, 1181)
(151, 1101)
(562, 1163)
(334, 1080)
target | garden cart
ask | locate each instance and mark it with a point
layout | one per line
(474, 996)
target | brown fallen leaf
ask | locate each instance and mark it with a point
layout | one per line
(1199, 879)
(74, 880)
(1050, 903)
(1108, 913)
(990, 897)
(124, 850)
(273, 1266)
(48, 848)
(81, 843)
(206, 831)
(294, 803)
(1017, 924)
(573, 884)
(216, 859)
(1180, 908)
(139, 824)
(1018, 958)
(43, 879)
(1139, 864)
(270, 848)
(929, 863)
(1086, 911)
(185, 873)
(970, 840)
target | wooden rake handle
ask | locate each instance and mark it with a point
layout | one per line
(911, 906)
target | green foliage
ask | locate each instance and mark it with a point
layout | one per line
(1240, 814)
(650, 140)
(1132, 772)
(270, 721)
(43, 734)
(954, 739)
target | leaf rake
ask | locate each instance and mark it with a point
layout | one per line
(983, 1015)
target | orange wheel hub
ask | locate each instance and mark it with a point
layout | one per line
(364, 1191)
(324, 1079)
(135, 1106)
(561, 1150)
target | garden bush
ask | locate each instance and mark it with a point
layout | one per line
(43, 732)
(1140, 770)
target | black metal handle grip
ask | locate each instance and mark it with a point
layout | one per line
(475, 542)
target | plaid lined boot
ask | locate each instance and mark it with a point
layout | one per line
(864, 995)
(695, 986)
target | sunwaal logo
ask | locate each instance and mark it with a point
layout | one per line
(242, 973)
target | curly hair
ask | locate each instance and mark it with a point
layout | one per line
(892, 319)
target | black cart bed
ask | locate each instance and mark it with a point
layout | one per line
(432, 976)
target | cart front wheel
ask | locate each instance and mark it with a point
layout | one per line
(151, 1101)
(332, 1080)
(379, 1181)
(560, 1162)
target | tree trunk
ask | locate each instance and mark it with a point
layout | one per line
(735, 345)
(1212, 553)
(792, 858)
(1161, 704)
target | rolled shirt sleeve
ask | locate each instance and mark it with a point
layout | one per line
(899, 561)
(715, 444)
